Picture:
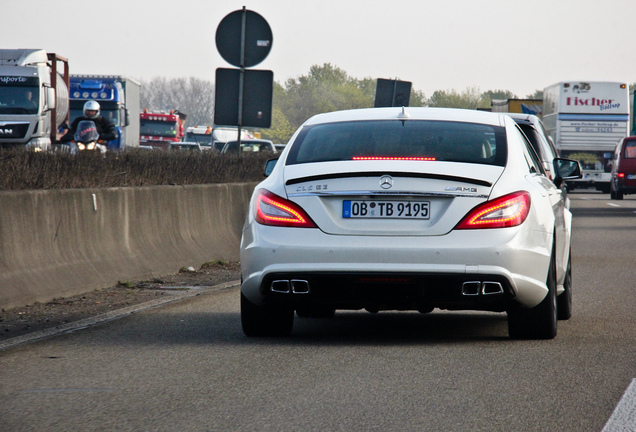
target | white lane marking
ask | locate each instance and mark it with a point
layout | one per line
(623, 418)
(613, 204)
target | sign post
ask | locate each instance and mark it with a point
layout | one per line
(244, 39)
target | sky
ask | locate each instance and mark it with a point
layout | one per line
(520, 46)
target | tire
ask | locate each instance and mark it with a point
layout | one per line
(564, 300)
(619, 195)
(539, 322)
(615, 192)
(264, 321)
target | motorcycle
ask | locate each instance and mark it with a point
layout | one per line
(87, 138)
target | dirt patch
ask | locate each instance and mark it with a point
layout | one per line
(40, 316)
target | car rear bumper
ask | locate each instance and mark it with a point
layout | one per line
(478, 269)
(626, 187)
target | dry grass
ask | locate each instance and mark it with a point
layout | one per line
(22, 170)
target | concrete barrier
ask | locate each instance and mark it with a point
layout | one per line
(66, 242)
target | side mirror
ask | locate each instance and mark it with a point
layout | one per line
(269, 167)
(566, 169)
(126, 118)
(50, 98)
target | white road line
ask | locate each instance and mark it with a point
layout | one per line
(613, 204)
(623, 418)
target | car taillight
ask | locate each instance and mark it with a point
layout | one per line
(274, 210)
(621, 175)
(506, 211)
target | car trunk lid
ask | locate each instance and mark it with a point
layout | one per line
(410, 198)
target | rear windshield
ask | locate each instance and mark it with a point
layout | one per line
(630, 149)
(400, 140)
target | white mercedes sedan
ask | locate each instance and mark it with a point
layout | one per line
(408, 209)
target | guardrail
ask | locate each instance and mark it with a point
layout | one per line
(59, 243)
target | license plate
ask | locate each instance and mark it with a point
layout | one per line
(386, 209)
(631, 176)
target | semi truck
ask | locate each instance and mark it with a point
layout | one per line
(34, 99)
(160, 128)
(521, 106)
(201, 135)
(586, 120)
(214, 137)
(118, 98)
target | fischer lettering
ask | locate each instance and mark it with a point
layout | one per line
(577, 101)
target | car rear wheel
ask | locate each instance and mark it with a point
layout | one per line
(564, 300)
(267, 320)
(615, 193)
(539, 322)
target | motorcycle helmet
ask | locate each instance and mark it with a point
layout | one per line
(93, 106)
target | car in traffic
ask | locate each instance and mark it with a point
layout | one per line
(185, 146)
(624, 169)
(408, 209)
(251, 145)
(217, 146)
(534, 130)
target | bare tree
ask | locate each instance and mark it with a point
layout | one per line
(192, 96)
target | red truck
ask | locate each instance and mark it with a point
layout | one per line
(160, 128)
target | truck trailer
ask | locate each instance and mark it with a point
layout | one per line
(34, 99)
(118, 97)
(586, 121)
(632, 118)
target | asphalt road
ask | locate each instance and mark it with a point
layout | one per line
(186, 366)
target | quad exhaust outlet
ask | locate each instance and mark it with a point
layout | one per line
(293, 286)
(475, 288)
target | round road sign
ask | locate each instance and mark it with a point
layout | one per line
(258, 38)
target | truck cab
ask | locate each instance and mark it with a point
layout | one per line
(33, 98)
(118, 98)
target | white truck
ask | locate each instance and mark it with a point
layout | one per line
(34, 99)
(587, 120)
(223, 134)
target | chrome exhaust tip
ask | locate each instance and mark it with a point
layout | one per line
(280, 286)
(491, 288)
(299, 286)
(471, 288)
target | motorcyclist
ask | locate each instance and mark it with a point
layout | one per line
(105, 127)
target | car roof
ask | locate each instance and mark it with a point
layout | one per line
(253, 141)
(410, 113)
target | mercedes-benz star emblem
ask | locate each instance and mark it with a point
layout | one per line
(386, 182)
